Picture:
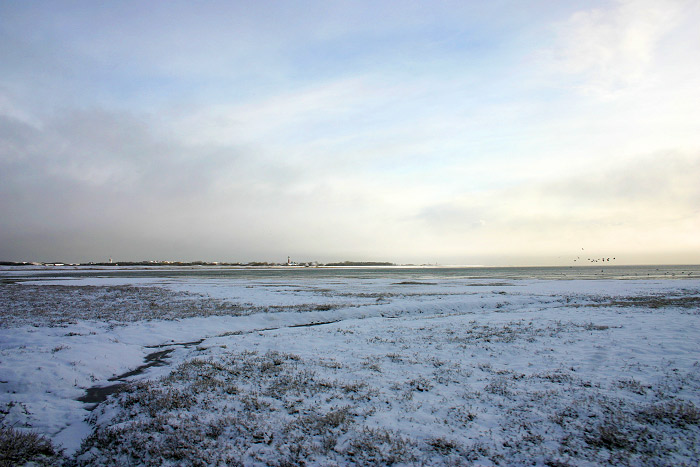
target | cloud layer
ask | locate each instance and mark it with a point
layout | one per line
(451, 133)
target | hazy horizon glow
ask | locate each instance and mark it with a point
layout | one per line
(413, 132)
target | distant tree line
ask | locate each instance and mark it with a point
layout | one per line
(361, 263)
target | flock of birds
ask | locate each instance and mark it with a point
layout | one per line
(593, 260)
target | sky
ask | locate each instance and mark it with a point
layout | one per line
(451, 132)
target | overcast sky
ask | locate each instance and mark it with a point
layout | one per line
(465, 132)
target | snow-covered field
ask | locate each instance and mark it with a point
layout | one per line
(342, 370)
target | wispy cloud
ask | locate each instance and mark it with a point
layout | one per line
(613, 49)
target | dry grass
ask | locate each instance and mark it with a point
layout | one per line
(55, 305)
(651, 302)
(270, 408)
(26, 448)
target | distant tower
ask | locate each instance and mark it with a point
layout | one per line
(289, 261)
(110, 260)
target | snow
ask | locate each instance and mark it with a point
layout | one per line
(434, 369)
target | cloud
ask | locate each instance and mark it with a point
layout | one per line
(107, 150)
(114, 179)
(96, 171)
(117, 177)
(244, 131)
(664, 181)
(631, 206)
(614, 49)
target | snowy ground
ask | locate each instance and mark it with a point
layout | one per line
(437, 371)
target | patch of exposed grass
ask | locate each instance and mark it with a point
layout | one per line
(499, 386)
(663, 433)
(270, 409)
(55, 305)
(677, 413)
(651, 301)
(26, 448)
(514, 331)
(378, 447)
(633, 385)
(443, 445)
